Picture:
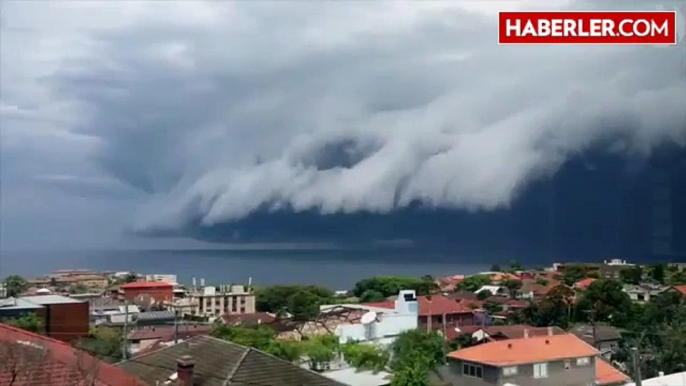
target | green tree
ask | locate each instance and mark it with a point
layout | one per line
(320, 350)
(15, 285)
(28, 322)
(304, 305)
(495, 268)
(131, 278)
(78, 289)
(391, 285)
(542, 281)
(512, 285)
(428, 344)
(553, 310)
(657, 272)
(631, 275)
(463, 341)
(260, 337)
(281, 298)
(365, 356)
(608, 301)
(103, 342)
(516, 266)
(414, 371)
(483, 295)
(288, 350)
(677, 278)
(474, 282)
(371, 296)
(573, 273)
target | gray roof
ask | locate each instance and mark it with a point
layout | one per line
(18, 304)
(603, 333)
(156, 315)
(50, 299)
(219, 363)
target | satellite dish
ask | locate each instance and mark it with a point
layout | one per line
(368, 318)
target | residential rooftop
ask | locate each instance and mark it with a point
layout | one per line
(45, 361)
(526, 350)
(606, 374)
(156, 284)
(219, 363)
(50, 299)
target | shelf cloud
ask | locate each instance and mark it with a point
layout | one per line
(215, 112)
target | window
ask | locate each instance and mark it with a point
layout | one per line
(583, 361)
(541, 370)
(472, 371)
(568, 365)
(509, 371)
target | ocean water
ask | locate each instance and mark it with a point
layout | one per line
(335, 269)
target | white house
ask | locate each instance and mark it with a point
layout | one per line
(494, 290)
(381, 325)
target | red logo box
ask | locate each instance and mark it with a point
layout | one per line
(653, 28)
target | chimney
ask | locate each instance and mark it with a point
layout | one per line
(550, 331)
(184, 369)
(526, 332)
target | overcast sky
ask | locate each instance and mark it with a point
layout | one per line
(122, 117)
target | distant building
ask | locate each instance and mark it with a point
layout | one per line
(63, 318)
(618, 262)
(605, 338)
(158, 292)
(161, 278)
(495, 290)
(214, 302)
(642, 293)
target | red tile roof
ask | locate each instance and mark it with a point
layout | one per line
(526, 350)
(389, 305)
(680, 288)
(158, 284)
(43, 361)
(583, 284)
(433, 305)
(606, 374)
(439, 305)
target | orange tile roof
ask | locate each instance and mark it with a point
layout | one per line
(680, 288)
(526, 350)
(583, 284)
(605, 374)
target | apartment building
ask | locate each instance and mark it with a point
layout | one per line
(550, 360)
(216, 301)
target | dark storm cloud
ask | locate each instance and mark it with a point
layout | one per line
(234, 115)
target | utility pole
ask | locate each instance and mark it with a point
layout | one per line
(591, 314)
(125, 334)
(637, 365)
(176, 325)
